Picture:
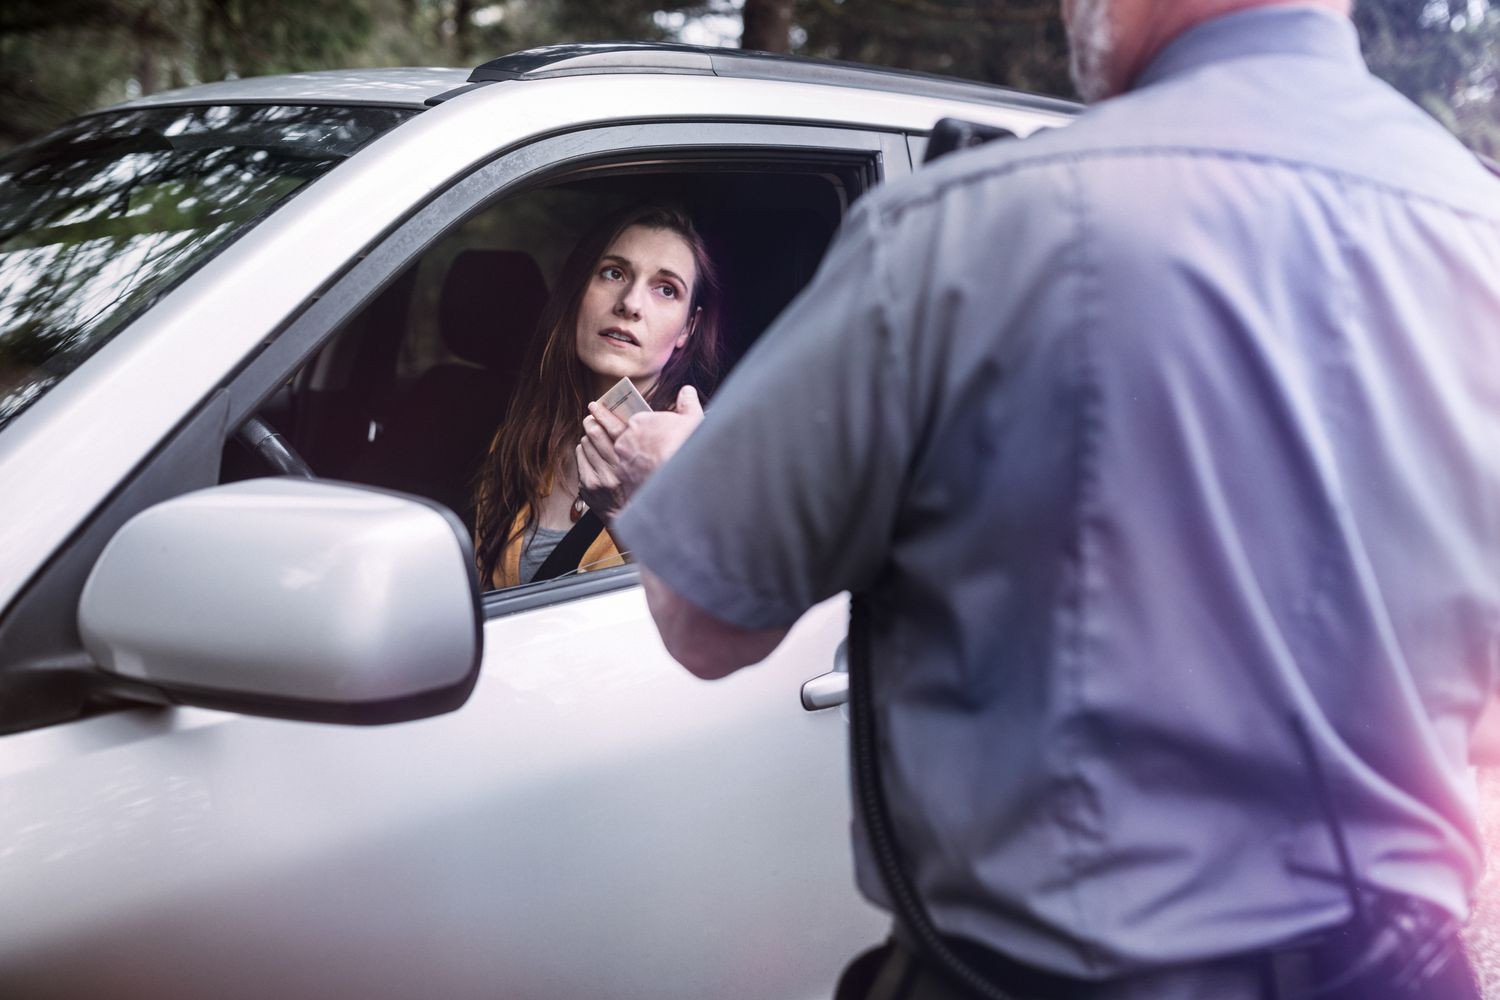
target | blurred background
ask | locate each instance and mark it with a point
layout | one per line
(59, 58)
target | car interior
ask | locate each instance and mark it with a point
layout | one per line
(408, 393)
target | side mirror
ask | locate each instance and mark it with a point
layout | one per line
(950, 135)
(291, 598)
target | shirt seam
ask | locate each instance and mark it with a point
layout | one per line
(1176, 74)
(1073, 638)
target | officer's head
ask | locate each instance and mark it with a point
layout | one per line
(1112, 41)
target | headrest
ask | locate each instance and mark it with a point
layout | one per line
(491, 302)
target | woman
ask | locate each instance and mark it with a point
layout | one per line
(637, 298)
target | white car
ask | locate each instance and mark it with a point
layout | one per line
(262, 735)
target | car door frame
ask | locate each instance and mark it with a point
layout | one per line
(38, 641)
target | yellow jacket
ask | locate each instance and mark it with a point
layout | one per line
(602, 554)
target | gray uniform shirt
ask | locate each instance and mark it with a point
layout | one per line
(1143, 435)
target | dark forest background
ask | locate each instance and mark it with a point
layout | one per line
(59, 58)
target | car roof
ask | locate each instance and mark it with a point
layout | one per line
(401, 87)
(701, 60)
(416, 87)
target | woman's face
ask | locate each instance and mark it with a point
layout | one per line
(634, 312)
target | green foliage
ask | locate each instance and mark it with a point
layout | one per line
(255, 37)
(59, 58)
(519, 24)
(1442, 54)
(1017, 44)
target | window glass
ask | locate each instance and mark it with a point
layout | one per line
(104, 215)
(540, 223)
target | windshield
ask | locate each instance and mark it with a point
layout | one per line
(102, 216)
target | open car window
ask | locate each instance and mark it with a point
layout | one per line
(409, 392)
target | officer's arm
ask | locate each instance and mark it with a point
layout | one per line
(709, 647)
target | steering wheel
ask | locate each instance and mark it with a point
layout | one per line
(265, 441)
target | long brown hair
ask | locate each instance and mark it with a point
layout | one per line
(546, 414)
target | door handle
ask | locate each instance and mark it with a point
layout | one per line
(830, 689)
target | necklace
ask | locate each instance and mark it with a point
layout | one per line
(578, 508)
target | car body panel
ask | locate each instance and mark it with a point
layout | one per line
(640, 814)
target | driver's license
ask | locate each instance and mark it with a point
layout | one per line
(624, 400)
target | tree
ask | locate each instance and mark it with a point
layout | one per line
(768, 25)
(1017, 44)
(1442, 54)
(59, 58)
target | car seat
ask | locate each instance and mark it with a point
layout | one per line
(435, 432)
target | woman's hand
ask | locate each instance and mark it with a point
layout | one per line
(615, 458)
(599, 482)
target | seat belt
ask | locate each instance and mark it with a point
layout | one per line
(568, 553)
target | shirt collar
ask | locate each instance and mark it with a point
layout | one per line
(1274, 30)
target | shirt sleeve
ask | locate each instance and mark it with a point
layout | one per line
(787, 493)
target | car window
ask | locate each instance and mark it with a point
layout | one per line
(99, 218)
(364, 383)
(332, 377)
(409, 393)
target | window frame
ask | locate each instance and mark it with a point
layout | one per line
(596, 148)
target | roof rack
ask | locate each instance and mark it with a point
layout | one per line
(598, 58)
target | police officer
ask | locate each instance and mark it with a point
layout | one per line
(1164, 452)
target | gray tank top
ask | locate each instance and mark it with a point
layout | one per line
(539, 545)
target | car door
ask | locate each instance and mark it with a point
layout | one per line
(593, 821)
